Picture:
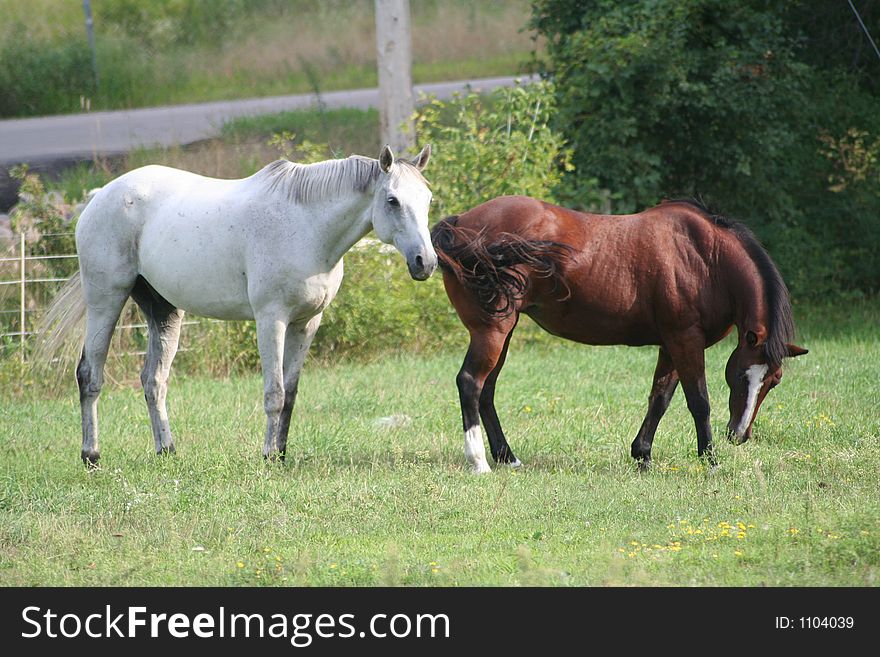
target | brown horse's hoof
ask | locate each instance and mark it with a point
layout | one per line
(90, 458)
(274, 457)
(644, 465)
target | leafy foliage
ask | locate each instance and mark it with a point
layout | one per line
(29, 67)
(44, 218)
(729, 101)
(490, 147)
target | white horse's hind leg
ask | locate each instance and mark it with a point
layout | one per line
(164, 323)
(100, 322)
(270, 341)
(296, 346)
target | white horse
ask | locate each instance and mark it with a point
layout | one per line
(268, 247)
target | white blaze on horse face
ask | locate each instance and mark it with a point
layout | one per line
(475, 451)
(755, 376)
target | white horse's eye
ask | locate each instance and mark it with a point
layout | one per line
(392, 201)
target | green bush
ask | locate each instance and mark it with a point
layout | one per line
(487, 147)
(728, 101)
(29, 69)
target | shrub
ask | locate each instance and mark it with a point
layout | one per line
(30, 69)
(489, 147)
(728, 101)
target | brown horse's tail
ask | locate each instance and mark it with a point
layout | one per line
(497, 273)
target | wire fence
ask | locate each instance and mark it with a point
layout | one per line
(27, 285)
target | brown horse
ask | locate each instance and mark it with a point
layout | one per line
(676, 276)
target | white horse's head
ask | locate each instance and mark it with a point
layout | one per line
(400, 211)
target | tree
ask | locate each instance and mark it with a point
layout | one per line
(728, 101)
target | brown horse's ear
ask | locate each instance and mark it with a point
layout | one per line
(386, 158)
(421, 160)
(794, 350)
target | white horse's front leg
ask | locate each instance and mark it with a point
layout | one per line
(270, 341)
(296, 347)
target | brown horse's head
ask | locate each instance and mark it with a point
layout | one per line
(750, 376)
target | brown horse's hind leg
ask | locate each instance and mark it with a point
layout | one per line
(482, 356)
(687, 355)
(665, 382)
(501, 452)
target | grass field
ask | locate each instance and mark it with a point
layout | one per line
(359, 503)
(155, 53)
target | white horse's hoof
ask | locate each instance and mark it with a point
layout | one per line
(481, 468)
(515, 464)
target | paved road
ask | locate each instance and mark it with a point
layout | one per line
(76, 136)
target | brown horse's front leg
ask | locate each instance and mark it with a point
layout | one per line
(665, 383)
(501, 452)
(479, 362)
(688, 357)
(698, 404)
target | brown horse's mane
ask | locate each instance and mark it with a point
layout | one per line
(490, 270)
(780, 323)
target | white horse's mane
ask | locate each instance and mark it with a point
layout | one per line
(304, 183)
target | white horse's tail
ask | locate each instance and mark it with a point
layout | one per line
(61, 333)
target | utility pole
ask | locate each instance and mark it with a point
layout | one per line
(394, 59)
(90, 33)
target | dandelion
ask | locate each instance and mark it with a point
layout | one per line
(793, 530)
(333, 565)
(240, 564)
(738, 553)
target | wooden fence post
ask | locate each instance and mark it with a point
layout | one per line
(21, 316)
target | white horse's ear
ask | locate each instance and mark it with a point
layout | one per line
(386, 158)
(421, 160)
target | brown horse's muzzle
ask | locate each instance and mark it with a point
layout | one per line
(735, 438)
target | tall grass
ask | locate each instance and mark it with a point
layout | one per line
(158, 52)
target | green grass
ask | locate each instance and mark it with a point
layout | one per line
(357, 504)
(184, 52)
(344, 126)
